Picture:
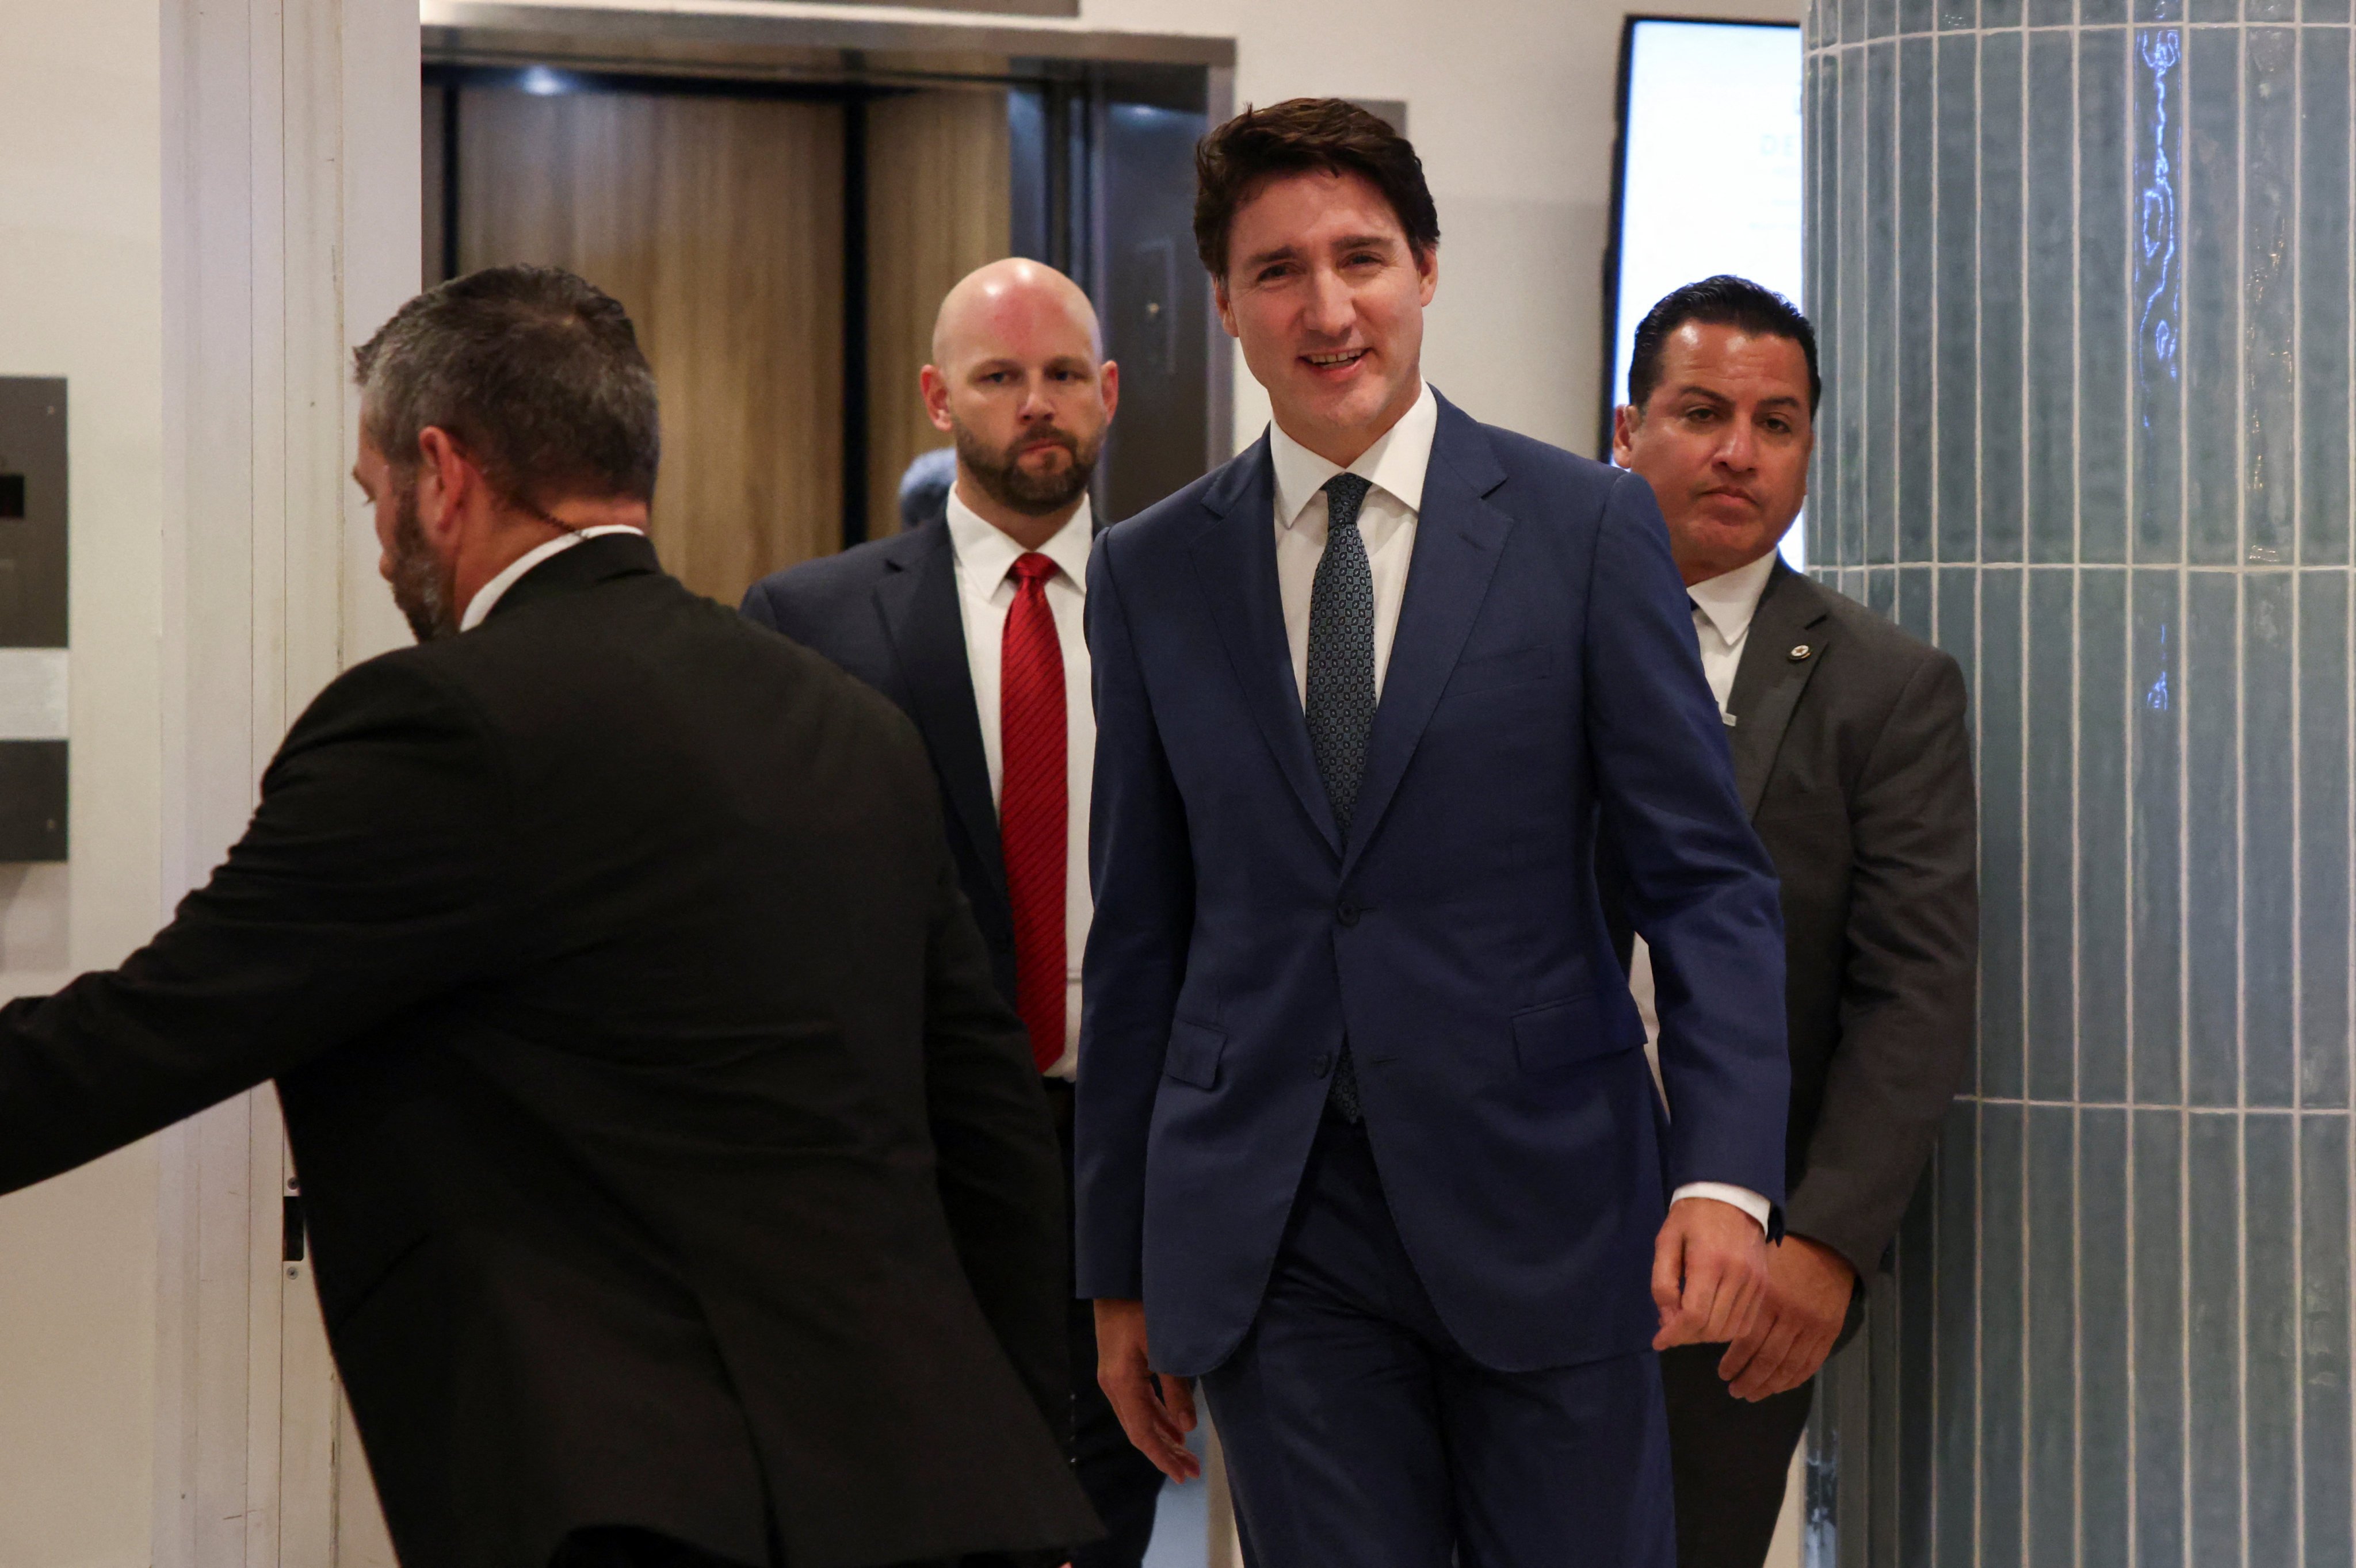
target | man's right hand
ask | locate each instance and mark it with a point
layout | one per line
(1157, 1422)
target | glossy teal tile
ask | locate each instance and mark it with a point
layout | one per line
(2053, 1361)
(2004, 1360)
(2324, 293)
(2159, 1319)
(2212, 827)
(2051, 295)
(2155, 830)
(2269, 855)
(2002, 312)
(1957, 393)
(1882, 307)
(2326, 1459)
(2214, 1332)
(2269, 303)
(2157, 431)
(2325, 955)
(2270, 1353)
(2050, 894)
(2105, 339)
(2103, 714)
(2103, 1374)
(2212, 293)
(1915, 511)
(2001, 753)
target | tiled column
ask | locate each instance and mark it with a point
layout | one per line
(2083, 275)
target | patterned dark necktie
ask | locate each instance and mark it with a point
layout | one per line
(1341, 695)
(1034, 805)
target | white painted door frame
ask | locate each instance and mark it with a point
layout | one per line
(290, 232)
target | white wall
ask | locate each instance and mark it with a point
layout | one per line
(81, 297)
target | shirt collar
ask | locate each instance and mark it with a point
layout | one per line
(1732, 598)
(1395, 465)
(488, 594)
(985, 554)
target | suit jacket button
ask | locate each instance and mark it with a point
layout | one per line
(1347, 914)
(1323, 1064)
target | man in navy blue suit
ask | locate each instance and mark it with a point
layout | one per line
(970, 621)
(1366, 1140)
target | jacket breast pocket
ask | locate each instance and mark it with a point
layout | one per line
(1193, 1054)
(1511, 667)
(1558, 1036)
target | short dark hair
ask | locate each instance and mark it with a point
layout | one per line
(1297, 136)
(535, 372)
(1722, 301)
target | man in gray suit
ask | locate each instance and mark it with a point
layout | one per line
(1852, 756)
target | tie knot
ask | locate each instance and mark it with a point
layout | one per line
(1344, 494)
(1033, 568)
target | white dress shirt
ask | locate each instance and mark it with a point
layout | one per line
(1723, 608)
(489, 592)
(985, 577)
(1395, 467)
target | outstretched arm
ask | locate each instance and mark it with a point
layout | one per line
(371, 879)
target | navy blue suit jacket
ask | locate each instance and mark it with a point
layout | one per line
(1545, 673)
(887, 611)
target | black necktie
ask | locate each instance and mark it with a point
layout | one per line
(1341, 695)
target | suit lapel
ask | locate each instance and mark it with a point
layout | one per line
(917, 601)
(1768, 680)
(1458, 539)
(1236, 558)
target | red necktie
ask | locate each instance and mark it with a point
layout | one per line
(1034, 805)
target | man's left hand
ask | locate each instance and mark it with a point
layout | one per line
(1710, 1267)
(1807, 1301)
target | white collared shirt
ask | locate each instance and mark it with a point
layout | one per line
(1723, 606)
(1395, 467)
(490, 594)
(985, 566)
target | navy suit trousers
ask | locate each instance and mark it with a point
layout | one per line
(1359, 1435)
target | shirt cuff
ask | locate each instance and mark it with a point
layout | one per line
(1742, 1198)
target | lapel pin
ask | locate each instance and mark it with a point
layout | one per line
(1800, 653)
(1729, 720)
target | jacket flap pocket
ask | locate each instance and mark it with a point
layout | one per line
(1566, 1033)
(1193, 1054)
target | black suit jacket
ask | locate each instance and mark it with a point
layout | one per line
(887, 611)
(1852, 756)
(668, 1157)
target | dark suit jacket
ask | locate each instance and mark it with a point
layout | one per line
(1854, 761)
(1544, 673)
(887, 611)
(668, 1157)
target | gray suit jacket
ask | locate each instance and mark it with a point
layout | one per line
(1852, 756)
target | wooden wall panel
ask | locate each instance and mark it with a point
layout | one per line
(718, 223)
(938, 199)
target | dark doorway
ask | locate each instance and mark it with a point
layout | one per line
(784, 237)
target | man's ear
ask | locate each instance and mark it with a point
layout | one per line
(933, 388)
(1225, 307)
(445, 478)
(1625, 421)
(1109, 384)
(1427, 268)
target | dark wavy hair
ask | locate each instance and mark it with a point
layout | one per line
(1297, 136)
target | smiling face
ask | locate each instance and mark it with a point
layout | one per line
(1724, 440)
(1326, 297)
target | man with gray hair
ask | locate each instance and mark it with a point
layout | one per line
(681, 1192)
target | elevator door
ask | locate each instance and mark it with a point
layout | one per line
(717, 221)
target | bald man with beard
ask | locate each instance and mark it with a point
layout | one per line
(972, 624)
